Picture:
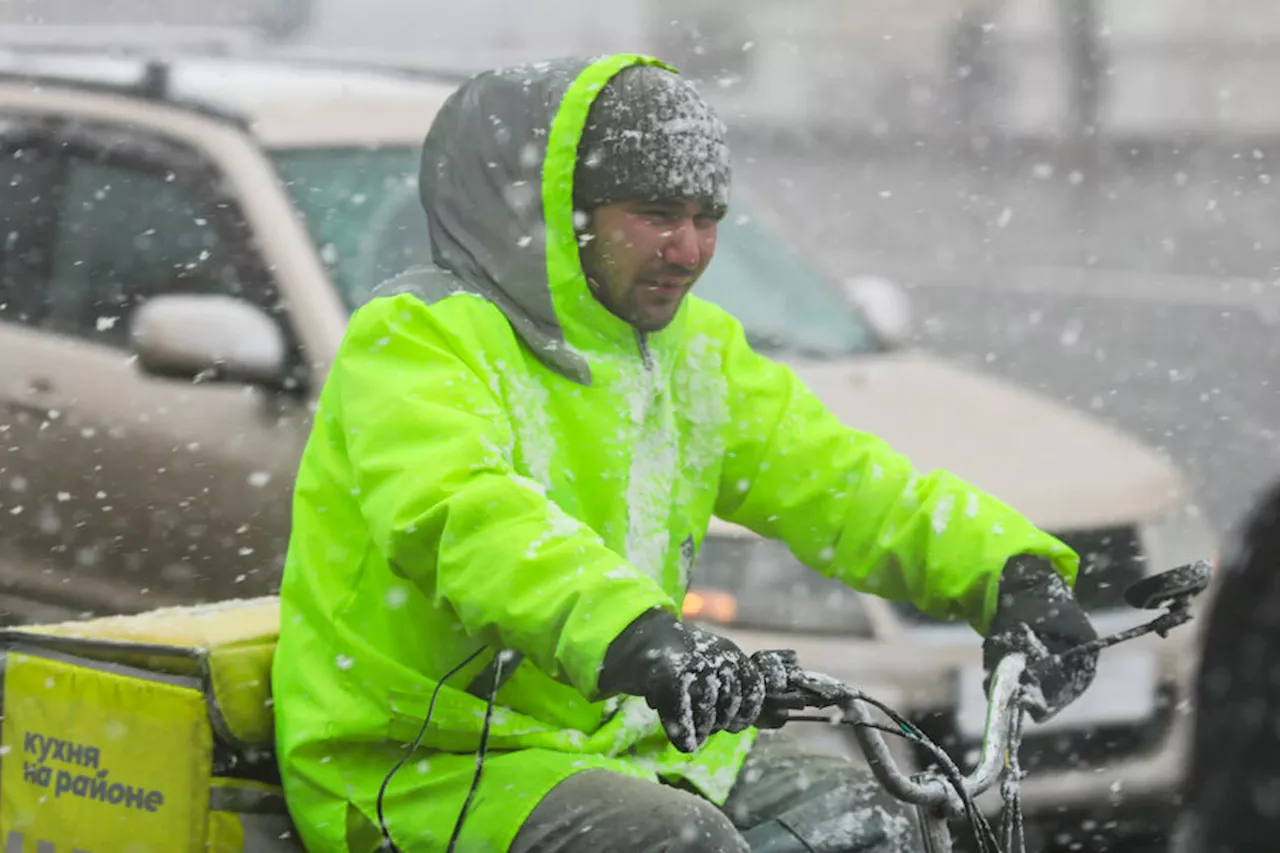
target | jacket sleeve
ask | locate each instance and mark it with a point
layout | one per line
(430, 450)
(852, 508)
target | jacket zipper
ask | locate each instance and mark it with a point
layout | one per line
(645, 355)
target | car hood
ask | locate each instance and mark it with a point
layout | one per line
(1064, 470)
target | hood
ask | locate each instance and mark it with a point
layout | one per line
(1063, 470)
(497, 185)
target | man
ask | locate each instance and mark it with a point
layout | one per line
(513, 465)
(1233, 780)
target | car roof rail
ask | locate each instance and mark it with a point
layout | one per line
(151, 84)
(126, 39)
(31, 54)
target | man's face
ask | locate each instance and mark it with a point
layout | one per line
(641, 258)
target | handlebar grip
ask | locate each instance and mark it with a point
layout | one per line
(787, 687)
(780, 669)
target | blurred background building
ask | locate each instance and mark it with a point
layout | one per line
(1017, 67)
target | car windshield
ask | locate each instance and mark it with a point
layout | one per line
(362, 210)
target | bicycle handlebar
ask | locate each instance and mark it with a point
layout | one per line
(814, 690)
(951, 793)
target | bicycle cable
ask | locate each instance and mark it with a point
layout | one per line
(1012, 824)
(484, 736)
(480, 752)
(983, 833)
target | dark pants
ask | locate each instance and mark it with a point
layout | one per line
(598, 810)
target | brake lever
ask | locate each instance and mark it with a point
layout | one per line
(777, 708)
(1178, 613)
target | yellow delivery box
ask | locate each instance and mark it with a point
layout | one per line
(143, 733)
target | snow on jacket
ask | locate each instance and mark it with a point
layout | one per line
(497, 461)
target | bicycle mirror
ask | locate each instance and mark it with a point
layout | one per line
(1174, 586)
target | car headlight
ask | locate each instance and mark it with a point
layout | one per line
(753, 582)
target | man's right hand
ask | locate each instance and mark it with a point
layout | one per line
(698, 682)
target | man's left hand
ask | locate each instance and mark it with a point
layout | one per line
(1038, 615)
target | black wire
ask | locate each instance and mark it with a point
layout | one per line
(484, 745)
(382, 823)
(805, 718)
(984, 834)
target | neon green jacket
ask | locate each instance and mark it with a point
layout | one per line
(497, 461)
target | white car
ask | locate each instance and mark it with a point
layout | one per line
(216, 219)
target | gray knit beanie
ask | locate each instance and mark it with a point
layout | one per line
(651, 137)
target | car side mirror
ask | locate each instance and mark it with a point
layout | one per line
(885, 305)
(208, 336)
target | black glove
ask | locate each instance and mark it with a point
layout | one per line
(698, 682)
(1038, 615)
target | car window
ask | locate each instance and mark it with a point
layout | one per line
(29, 176)
(127, 233)
(362, 209)
(781, 298)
